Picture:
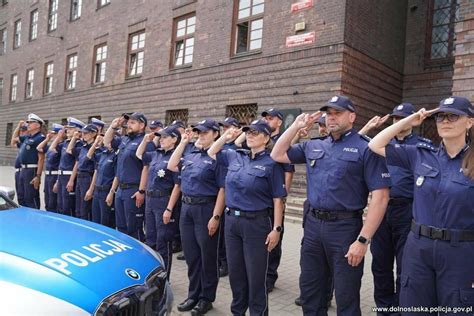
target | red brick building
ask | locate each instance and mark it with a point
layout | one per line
(192, 59)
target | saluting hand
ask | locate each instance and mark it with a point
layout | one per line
(232, 133)
(61, 133)
(149, 137)
(417, 118)
(117, 122)
(272, 240)
(356, 253)
(300, 121)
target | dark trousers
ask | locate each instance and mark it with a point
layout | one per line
(386, 247)
(66, 200)
(50, 198)
(101, 212)
(19, 189)
(200, 251)
(128, 217)
(31, 196)
(437, 273)
(83, 208)
(247, 257)
(325, 244)
(275, 257)
(222, 248)
(163, 233)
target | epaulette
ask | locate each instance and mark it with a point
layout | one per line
(425, 146)
(426, 140)
(365, 137)
(242, 150)
(319, 137)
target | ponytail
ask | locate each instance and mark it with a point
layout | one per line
(468, 160)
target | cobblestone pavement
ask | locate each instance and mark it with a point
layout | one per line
(281, 300)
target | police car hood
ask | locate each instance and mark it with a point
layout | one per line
(68, 258)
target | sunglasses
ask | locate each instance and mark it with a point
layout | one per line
(252, 132)
(440, 117)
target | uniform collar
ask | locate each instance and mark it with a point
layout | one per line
(35, 134)
(276, 136)
(347, 134)
(442, 151)
(405, 139)
(168, 152)
(258, 155)
(133, 136)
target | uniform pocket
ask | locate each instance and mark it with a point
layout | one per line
(466, 296)
(347, 161)
(314, 160)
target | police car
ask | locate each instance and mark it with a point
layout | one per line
(52, 264)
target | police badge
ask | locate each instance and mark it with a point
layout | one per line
(420, 180)
(312, 163)
(28, 147)
(160, 173)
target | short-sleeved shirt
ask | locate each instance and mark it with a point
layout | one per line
(443, 195)
(402, 178)
(105, 166)
(17, 159)
(51, 159)
(251, 183)
(66, 160)
(340, 173)
(129, 167)
(84, 164)
(200, 174)
(286, 166)
(28, 152)
(159, 176)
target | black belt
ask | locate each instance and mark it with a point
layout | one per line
(102, 188)
(158, 193)
(125, 186)
(440, 233)
(334, 216)
(247, 214)
(399, 201)
(198, 199)
(84, 174)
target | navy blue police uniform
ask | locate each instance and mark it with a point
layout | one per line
(438, 261)
(29, 164)
(128, 217)
(389, 240)
(161, 182)
(251, 185)
(66, 199)
(85, 171)
(201, 179)
(19, 189)
(51, 167)
(340, 175)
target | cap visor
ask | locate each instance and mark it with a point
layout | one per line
(399, 114)
(449, 110)
(333, 106)
(200, 128)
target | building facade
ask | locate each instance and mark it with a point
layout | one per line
(192, 59)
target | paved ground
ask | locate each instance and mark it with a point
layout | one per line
(281, 300)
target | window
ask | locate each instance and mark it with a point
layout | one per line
(100, 55)
(3, 47)
(244, 113)
(71, 71)
(52, 15)
(13, 87)
(17, 36)
(30, 77)
(444, 14)
(136, 53)
(248, 30)
(33, 25)
(102, 3)
(48, 78)
(8, 134)
(173, 115)
(76, 6)
(1, 90)
(183, 39)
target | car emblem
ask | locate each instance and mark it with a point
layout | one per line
(132, 274)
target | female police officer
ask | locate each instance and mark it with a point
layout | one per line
(162, 192)
(438, 261)
(255, 185)
(202, 183)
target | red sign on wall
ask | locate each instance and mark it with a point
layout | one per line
(300, 39)
(300, 5)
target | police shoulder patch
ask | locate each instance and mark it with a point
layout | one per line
(365, 137)
(426, 140)
(427, 146)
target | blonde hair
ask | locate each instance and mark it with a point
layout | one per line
(468, 160)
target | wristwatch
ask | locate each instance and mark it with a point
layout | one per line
(216, 217)
(141, 191)
(278, 229)
(363, 240)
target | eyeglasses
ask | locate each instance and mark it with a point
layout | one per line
(252, 132)
(451, 117)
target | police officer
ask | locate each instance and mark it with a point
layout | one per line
(162, 193)
(85, 169)
(31, 162)
(155, 126)
(438, 260)
(227, 124)
(389, 240)
(129, 200)
(18, 137)
(341, 171)
(202, 183)
(51, 169)
(66, 193)
(255, 185)
(99, 124)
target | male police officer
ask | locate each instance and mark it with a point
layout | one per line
(99, 124)
(129, 200)
(17, 138)
(341, 173)
(31, 162)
